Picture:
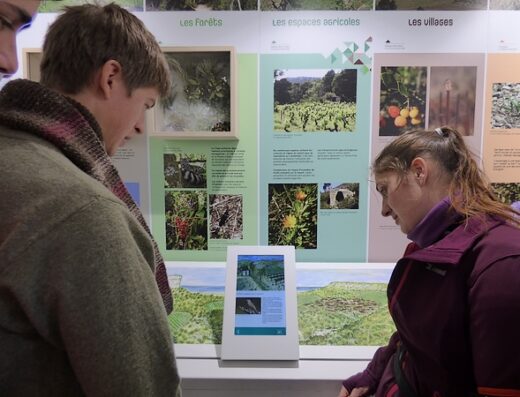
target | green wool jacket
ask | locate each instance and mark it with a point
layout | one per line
(80, 312)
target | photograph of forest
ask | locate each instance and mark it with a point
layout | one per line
(201, 5)
(315, 100)
(57, 6)
(292, 5)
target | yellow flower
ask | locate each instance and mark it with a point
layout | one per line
(300, 196)
(289, 222)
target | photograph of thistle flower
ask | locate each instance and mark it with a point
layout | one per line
(186, 220)
(293, 215)
(339, 196)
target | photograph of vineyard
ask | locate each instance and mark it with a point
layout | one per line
(293, 5)
(507, 192)
(293, 215)
(504, 4)
(335, 307)
(339, 196)
(505, 111)
(260, 273)
(200, 100)
(402, 99)
(452, 98)
(184, 170)
(315, 100)
(186, 220)
(226, 216)
(57, 6)
(201, 5)
(431, 5)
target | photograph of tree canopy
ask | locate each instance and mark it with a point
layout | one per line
(201, 5)
(315, 100)
(57, 6)
(291, 5)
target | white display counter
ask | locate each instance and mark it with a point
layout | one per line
(203, 375)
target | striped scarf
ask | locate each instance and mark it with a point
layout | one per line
(33, 108)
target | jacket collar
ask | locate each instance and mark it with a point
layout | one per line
(453, 246)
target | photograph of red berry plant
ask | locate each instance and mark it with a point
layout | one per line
(452, 98)
(293, 215)
(402, 99)
(186, 220)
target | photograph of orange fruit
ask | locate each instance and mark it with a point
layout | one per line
(402, 99)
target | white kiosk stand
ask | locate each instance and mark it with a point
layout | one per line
(260, 308)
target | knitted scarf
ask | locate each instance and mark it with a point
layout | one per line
(33, 108)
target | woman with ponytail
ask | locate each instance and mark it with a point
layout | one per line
(454, 296)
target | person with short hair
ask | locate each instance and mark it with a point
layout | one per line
(15, 16)
(84, 294)
(455, 294)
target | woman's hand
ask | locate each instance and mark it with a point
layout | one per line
(356, 392)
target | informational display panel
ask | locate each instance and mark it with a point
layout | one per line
(260, 318)
(318, 91)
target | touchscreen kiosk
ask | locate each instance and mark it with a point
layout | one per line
(260, 313)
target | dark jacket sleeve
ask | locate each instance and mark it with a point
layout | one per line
(372, 374)
(494, 300)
